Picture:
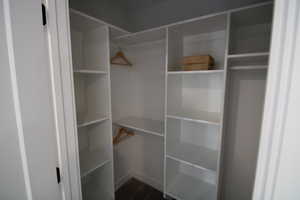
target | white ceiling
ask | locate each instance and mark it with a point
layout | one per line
(136, 15)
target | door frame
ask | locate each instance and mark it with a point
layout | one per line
(275, 117)
(280, 120)
(63, 96)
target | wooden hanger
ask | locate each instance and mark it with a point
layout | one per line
(120, 59)
(122, 135)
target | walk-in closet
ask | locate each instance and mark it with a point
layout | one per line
(188, 133)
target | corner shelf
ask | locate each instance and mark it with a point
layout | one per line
(153, 127)
(91, 122)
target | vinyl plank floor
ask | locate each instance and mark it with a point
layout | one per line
(134, 189)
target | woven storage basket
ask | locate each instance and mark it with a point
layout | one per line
(204, 62)
(203, 59)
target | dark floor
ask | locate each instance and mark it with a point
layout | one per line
(137, 190)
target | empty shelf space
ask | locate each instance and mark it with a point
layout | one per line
(189, 183)
(87, 71)
(92, 160)
(199, 116)
(200, 156)
(195, 72)
(154, 127)
(249, 67)
(245, 55)
(91, 122)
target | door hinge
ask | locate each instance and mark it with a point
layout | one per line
(58, 175)
(44, 14)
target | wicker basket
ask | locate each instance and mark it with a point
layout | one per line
(204, 62)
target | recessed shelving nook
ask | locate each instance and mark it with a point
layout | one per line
(177, 118)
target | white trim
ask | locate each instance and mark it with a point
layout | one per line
(15, 92)
(65, 77)
(58, 107)
(282, 64)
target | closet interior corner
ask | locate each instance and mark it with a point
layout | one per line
(189, 129)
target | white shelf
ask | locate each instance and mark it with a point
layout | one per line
(198, 156)
(198, 116)
(195, 72)
(250, 67)
(91, 122)
(188, 183)
(92, 160)
(245, 55)
(154, 127)
(87, 71)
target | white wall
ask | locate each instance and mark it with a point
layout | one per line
(29, 156)
(12, 183)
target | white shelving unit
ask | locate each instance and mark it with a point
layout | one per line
(180, 113)
(90, 50)
(248, 55)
